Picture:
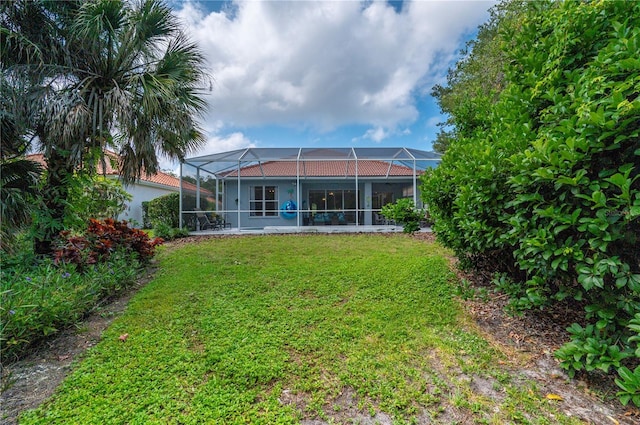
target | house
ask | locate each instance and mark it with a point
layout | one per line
(144, 189)
(262, 187)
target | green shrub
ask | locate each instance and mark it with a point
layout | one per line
(629, 383)
(19, 194)
(94, 197)
(40, 297)
(146, 223)
(165, 210)
(168, 233)
(547, 189)
(404, 211)
(576, 210)
(590, 349)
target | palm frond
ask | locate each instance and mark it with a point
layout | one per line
(153, 20)
(18, 186)
(97, 20)
(21, 174)
(20, 48)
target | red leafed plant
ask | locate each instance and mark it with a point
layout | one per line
(101, 239)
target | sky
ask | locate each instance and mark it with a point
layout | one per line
(325, 73)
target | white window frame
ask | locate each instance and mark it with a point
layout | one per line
(258, 207)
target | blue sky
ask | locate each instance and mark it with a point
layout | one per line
(326, 73)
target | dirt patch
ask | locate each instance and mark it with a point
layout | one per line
(532, 338)
(345, 409)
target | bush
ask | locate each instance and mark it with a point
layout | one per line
(101, 239)
(165, 210)
(146, 223)
(404, 211)
(629, 383)
(40, 298)
(548, 189)
(168, 233)
(94, 197)
(575, 215)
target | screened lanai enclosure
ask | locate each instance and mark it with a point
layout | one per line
(255, 188)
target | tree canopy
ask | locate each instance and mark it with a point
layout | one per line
(89, 75)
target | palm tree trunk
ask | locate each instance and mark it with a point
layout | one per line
(55, 194)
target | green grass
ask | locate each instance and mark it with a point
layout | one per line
(276, 329)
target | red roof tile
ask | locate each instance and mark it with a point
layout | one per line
(160, 178)
(366, 168)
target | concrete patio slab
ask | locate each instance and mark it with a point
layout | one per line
(305, 229)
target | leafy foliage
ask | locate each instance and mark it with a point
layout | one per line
(404, 211)
(167, 233)
(476, 81)
(40, 297)
(146, 224)
(39, 300)
(94, 197)
(164, 210)
(18, 196)
(101, 239)
(547, 189)
(629, 383)
(589, 349)
(18, 179)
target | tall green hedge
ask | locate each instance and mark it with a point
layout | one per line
(164, 210)
(547, 191)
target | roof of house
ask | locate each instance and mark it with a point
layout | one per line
(316, 162)
(160, 178)
(365, 168)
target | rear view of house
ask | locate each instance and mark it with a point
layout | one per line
(308, 186)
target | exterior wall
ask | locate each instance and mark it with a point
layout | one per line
(366, 189)
(142, 192)
(246, 220)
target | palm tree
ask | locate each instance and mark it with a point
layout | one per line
(125, 77)
(18, 180)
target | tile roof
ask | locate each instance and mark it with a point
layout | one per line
(366, 168)
(160, 178)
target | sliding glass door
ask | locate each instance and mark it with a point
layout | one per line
(332, 206)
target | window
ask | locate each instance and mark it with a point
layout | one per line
(333, 200)
(263, 201)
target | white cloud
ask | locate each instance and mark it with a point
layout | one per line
(227, 142)
(218, 141)
(377, 134)
(328, 63)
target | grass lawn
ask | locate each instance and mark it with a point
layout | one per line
(297, 329)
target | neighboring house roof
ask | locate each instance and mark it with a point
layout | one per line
(366, 168)
(159, 178)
